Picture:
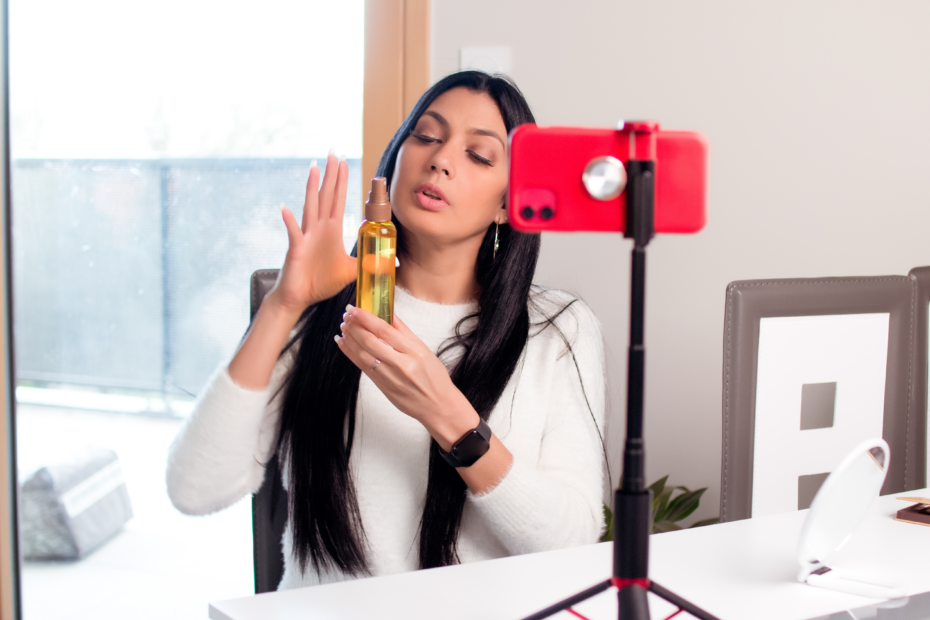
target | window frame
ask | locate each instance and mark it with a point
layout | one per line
(397, 51)
(10, 608)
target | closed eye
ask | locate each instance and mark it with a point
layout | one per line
(431, 140)
(481, 160)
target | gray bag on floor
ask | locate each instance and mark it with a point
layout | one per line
(69, 508)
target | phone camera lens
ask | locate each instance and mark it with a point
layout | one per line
(546, 213)
(527, 213)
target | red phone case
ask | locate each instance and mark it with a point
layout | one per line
(546, 166)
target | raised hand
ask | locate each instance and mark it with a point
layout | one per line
(317, 266)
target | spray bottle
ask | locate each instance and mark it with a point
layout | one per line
(377, 248)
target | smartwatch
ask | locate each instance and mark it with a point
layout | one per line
(471, 447)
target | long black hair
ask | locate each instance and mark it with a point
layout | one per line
(319, 405)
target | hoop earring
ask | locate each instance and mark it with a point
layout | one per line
(496, 241)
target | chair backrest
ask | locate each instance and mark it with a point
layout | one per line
(811, 368)
(921, 276)
(269, 505)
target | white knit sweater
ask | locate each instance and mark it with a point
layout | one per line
(549, 499)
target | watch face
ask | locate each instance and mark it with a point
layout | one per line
(470, 448)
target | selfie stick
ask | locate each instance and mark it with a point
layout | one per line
(633, 501)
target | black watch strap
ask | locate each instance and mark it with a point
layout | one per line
(471, 447)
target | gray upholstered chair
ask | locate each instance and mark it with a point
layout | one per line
(921, 276)
(269, 505)
(811, 365)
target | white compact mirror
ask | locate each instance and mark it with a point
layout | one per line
(837, 510)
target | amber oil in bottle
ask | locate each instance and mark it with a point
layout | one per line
(377, 249)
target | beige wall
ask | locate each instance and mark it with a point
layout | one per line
(818, 115)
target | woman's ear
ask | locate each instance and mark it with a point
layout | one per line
(502, 216)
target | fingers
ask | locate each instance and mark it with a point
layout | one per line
(403, 329)
(359, 320)
(365, 360)
(363, 348)
(312, 199)
(342, 184)
(327, 190)
(329, 199)
(355, 356)
(294, 234)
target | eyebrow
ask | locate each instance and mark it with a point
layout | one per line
(477, 131)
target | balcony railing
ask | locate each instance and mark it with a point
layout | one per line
(132, 276)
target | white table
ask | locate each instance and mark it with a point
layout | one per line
(744, 569)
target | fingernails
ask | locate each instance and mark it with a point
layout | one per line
(342, 158)
(350, 308)
(338, 339)
(342, 327)
(313, 164)
(331, 153)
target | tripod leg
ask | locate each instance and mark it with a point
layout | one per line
(674, 599)
(633, 604)
(572, 600)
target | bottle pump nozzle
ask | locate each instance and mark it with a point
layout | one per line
(378, 206)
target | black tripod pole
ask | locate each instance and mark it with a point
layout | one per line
(633, 501)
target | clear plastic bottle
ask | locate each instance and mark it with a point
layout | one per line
(377, 251)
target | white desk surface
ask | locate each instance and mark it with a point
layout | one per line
(743, 569)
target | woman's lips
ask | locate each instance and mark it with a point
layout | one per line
(431, 197)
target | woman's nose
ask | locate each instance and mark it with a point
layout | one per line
(441, 162)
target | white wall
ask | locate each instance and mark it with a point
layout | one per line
(818, 115)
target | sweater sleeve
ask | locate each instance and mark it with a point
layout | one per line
(220, 453)
(556, 501)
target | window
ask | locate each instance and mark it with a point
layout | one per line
(152, 148)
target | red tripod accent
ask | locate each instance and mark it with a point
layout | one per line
(620, 584)
(626, 583)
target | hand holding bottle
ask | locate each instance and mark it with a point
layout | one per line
(316, 266)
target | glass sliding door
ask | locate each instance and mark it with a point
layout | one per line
(152, 147)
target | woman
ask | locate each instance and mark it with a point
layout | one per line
(361, 412)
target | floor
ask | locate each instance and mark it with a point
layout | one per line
(162, 564)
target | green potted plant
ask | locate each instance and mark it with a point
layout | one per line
(670, 504)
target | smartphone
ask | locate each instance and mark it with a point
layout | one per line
(547, 164)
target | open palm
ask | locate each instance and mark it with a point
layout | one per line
(317, 266)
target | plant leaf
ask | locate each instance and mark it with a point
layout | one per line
(657, 487)
(664, 526)
(674, 502)
(681, 506)
(660, 504)
(684, 505)
(670, 504)
(608, 534)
